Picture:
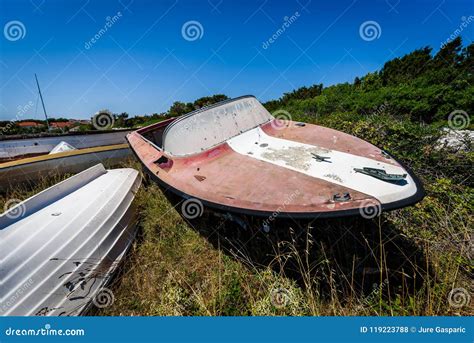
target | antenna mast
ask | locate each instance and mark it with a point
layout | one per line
(42, 102)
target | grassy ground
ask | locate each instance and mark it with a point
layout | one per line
(414, 261)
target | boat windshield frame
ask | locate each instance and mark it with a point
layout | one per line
(204, 109)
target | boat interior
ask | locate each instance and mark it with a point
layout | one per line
(154, 133)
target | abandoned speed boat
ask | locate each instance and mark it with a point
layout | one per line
(59, 248)
(236, 158)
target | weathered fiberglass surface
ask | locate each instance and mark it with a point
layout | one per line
(202, 130)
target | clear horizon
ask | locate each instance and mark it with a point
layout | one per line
(139, 57)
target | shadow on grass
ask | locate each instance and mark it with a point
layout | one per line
(350, 256)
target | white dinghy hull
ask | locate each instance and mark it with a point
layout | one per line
(29, 171)
(27, 147)
(59, 248)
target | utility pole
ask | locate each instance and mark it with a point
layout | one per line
(42, 102)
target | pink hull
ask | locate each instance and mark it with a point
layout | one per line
(224, 179)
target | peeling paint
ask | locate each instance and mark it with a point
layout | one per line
(299, 157)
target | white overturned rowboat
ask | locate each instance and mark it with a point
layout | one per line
(59, 248)
(30, 170)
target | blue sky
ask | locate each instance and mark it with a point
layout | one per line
(142, 62)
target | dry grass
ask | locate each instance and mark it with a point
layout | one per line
(174, 270)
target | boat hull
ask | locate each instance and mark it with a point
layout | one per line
(68, 241)
(29, 171)
(371, 210)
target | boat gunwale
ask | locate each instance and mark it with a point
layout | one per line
(154, 126)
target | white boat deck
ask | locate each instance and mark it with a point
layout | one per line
(338, 169)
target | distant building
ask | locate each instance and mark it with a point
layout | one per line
(62, 124)
(58, 125)
(65, 125)
(29, 124)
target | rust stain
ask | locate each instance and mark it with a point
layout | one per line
(200, 178)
